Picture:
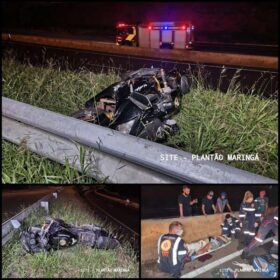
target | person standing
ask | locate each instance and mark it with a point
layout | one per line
(269, 224)
(222, 202)
(262, 203)
(249, 217)
(185, 202)
(208, 206)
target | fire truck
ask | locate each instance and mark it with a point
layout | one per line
(177, 35)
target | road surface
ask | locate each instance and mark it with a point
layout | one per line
(150, 270)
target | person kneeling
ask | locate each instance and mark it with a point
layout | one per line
(172, 254)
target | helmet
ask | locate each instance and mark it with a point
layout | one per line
(223, 194)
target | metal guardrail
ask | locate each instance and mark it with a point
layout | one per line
(122, 158)
(7, 226)
(99, 165)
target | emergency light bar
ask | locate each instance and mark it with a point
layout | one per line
(169, 28)
(121, 25)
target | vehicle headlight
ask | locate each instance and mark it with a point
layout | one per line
(125, 127)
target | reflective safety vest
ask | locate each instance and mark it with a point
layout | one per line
(171, 253)
(231, 228)
(269, 223)
(249, 214)
(275, 239)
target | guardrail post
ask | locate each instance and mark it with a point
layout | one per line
(45, 204)
(16, 224)
(9, 226)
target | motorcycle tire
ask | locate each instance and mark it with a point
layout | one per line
(107, 243)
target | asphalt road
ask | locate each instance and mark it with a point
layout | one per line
(263, 250)
(150, 270)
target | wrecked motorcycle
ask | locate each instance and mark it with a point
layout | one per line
(141, 104)
(56, 234)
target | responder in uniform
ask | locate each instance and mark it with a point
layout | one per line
(231, 226)
(172, 254)
(261, 203)
(249, 217)
(269, 223)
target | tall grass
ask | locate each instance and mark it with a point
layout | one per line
(22, 166)
(210, 121)
(50, 87)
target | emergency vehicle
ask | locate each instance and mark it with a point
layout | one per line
(175, 35)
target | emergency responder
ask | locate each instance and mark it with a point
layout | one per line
(269, 223)
(230, 226)
(249, 217)
(172, 254)
(262, 203)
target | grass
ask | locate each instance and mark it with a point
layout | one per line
(22, 166)
(214, 122)
(209, 121)
(75, 262)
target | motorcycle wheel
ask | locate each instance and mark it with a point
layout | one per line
(107, 243)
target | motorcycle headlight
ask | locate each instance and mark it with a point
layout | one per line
(125, 127)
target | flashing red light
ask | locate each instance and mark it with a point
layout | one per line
(184, 27)
(150, 27)
(121, 24)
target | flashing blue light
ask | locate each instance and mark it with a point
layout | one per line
(165, 27)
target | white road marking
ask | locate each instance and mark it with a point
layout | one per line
(216, 263)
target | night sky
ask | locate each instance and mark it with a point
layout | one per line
(229, 22)
(161, 200)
